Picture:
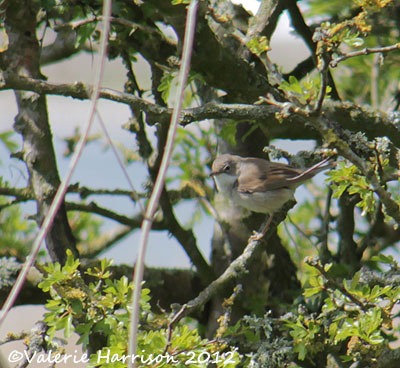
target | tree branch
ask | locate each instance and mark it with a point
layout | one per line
(351, 116)
(81, 91)
(92, 207)
(366, 51)
(345, 228)
(264, 22)
(132, 26)
(306, 33)
(329, 131)
(64, 46)
(235, 270)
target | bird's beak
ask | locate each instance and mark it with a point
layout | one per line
(212, 175)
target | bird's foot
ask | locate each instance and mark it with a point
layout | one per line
(256, 236)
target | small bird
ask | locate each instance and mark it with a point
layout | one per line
(259, 185)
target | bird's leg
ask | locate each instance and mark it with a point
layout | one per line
(259, 236)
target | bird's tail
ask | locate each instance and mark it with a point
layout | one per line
(325, 164)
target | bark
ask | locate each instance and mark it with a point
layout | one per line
(32, 123)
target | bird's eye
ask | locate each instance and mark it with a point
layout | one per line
(227, 168)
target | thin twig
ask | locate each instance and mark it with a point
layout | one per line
(159, 184)
(62, 189)
(116, 20)
(93, 208)
(135, 195)
(324, 86)
(334, 63)
(336, 285)
(84, 192)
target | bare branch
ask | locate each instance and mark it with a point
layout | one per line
(92, 207)
(81, 91)
(116, 20)
(334, 63)
(22, 194)
(267, 16)
(236, 269)
(62, 47)
(324, 76)
(351, 116)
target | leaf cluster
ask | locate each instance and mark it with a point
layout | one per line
(347, 178)
(305, 91)
(349, 26)
(348, 319)
(353, 319)
(100, 306)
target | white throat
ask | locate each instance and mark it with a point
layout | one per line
(225, 182)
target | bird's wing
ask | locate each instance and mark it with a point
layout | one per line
(262, 176)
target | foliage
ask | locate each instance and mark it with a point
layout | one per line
(86, 229)
(169, 82)
(349, 319)
(359, 24)
(349, 311)
(347, 178)
(263, 341)
(258, 45)
(7, 139)
(101, 305)
(16, 233)
(305, 91)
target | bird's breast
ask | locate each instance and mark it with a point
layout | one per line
(263, 202)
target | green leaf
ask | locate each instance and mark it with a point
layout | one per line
(258, 45)
(312, 291)
(68, 326)
(166, 84)
(84, 33)
(228, 132)
(301, 349)
(7, 139)
(179, 2)
(382, 258)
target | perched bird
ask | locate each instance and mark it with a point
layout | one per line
(259, 185)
